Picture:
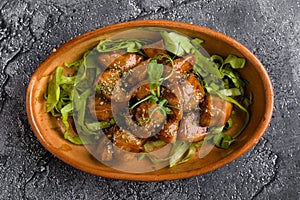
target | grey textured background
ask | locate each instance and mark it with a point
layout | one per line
(30, 29)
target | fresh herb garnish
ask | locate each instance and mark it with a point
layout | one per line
(155, 71)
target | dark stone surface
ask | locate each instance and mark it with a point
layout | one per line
(30, 29)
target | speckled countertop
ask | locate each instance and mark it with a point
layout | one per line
(30, 29)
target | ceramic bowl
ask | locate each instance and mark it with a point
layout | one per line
(46, 129)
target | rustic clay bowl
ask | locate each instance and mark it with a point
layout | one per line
(46, 129)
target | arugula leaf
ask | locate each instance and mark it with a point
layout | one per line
(235, 62)
(228, 124)
(218, 137)
(206, 68)
(65, 112)
(152, 145)
(155, 72)
(59, 92)
(227, 71)
(181, 152)
(223, 140)
(153, 99)
(53, 92)
(177, 152)
(176, 43)
(217, 59)
(229, 75)
(233, 101)
(96, 126)
(75, 140)
(231, 92)
(162, 105)
(77, 63)
(191, 151)
(150, 97)
(66, 95)
(196, 42)
(180, 45)
(132, 46)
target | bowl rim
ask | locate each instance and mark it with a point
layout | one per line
(261, 129)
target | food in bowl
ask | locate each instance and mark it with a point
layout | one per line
(158, 98)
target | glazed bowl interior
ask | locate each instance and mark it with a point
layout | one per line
(49, 134)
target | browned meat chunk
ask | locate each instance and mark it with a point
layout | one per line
(214, 111)
(174, 101)
(184, 64)
(169, 131)
(190, 130)
(147, 115)
(119, 60)
(107, 59)
(144, 120)
(136, 76)
(107, 82)
(143, 91)
(100, 108)
(126, 141)
(126, 61)
(111, 76)
(192, 93)
(157, 48)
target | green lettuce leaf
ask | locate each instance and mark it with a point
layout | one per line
(235, 62)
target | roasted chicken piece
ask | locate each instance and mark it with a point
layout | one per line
(147, 115)
(154, 49)
(190, 130)
(107, 82)
(100, 108)
(143, 121)
(107, 59)
(135, 76)
(119, 60)
(111, 76)
(142, 92)
(173, 98)
(127, 141)
(126, 61)
(192, 92)
(126, 145)
(169, 131)
(214, 111)
(184, 64)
